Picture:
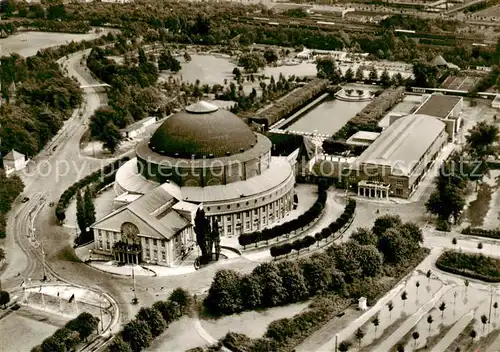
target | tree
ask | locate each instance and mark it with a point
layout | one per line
(251, 62)
(349, 75)
(326, 68)
(224, 295)
(168, 310)
(400, 348)
(201, 228)
(484, 320)
(80, 213)
(385, 79)
(153, 318)
(293, 281)
(111, 137)
(270, 55)
(137, 334)
(390, 306)
(85, 324)
(89, 208)
(273, 292)
(428, 274)
(373, 75)
(495, 306)
(187, 57)
(4, 298)
(473, 334)
(404, 297)
(415, 336)
(376, 323)
(430, 320)
(384, 223)
(480, 245)
(454, 241)
(360, 75)
(182, 298)
(118, 345)
(2, 254)
(442, 307)
(481, 139)
(370, 260)
(251, 292)
(417, 285)
(425, 75)
(359, 336)
(364, 236)
(344, 346)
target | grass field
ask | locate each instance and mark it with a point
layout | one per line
(19, 333)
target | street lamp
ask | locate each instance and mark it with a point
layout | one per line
(43, 264)
(90, 255)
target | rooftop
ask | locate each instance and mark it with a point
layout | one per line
(202, 130)
(402, 144)
(438, 105)
(14, 155)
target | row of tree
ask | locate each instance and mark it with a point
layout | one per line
(98, 179)
(10, 188)
(448, 199)
(39, 99)
(324, 234)
(149, 323)
(339, 269)
(85, 215)
(286, 228)
(72, 334)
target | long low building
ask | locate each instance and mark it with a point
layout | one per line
(394, 164)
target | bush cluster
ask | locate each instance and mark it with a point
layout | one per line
(290, 103)
(302, 220)
(325, 233)
(390, 243)
(368, 118)
(100, 178)
(476, 266)
(10, 188)
(476, 231)
(150, 323)
(68, 337)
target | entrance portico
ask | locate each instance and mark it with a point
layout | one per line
(127, 253)
(373, 189)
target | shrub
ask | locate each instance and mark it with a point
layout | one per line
(474, 231)
(476, 266)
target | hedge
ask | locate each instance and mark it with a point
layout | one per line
(476, 231)
(69, 336)
(108, 172)
(325, 233)
(476, 266)
(305, 219)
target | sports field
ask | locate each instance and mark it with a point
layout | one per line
(460, 83)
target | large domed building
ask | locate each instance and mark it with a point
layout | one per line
(202, 156)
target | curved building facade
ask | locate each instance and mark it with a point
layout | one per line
(210, 157)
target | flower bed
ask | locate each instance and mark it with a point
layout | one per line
(476, 266)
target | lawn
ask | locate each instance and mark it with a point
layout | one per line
(20, 333)
(476, 266)
(477, 210)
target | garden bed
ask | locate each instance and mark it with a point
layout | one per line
(476, 266)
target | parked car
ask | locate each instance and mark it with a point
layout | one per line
(25, 199)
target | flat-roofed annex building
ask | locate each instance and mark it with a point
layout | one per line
(394, 164)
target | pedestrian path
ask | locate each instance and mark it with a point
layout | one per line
(409, 323)
(453, 333)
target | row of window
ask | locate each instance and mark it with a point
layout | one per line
(146, 253)
(248, 203)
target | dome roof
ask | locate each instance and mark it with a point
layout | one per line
(201, 130)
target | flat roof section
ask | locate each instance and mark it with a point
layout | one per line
(438, 105)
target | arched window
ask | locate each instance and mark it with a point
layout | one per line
(130, 233)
